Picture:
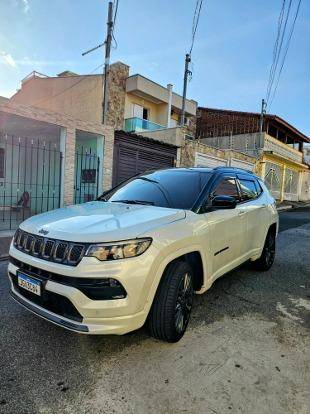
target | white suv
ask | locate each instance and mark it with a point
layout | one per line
(142, 249)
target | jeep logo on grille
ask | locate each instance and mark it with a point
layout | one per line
(42, 231)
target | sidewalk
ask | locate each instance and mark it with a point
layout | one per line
(287, 205)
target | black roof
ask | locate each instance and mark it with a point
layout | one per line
(207, 169)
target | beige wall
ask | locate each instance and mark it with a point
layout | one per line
(67, 95)
(131, 99)
(78, 96)
(305, 186)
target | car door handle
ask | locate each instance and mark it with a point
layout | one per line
(241, 213)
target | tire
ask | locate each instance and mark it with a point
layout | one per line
(171, 308)
(266, 260)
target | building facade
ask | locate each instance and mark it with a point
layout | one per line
(136, 104)
(278, 149)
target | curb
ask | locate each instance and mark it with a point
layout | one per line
(283, 208)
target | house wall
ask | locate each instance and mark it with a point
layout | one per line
(76, 96)
(79, 97)
(191, 147)
(292, 178)
(305, 187)
(69, 127)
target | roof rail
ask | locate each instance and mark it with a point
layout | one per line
(234, 169)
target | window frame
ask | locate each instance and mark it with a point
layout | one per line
(256, 184)
(204, 203)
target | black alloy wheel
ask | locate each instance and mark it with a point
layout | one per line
(172, 305)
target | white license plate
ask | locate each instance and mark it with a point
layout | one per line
(28, 283)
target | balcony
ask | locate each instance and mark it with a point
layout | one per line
(277, 147)
(140, 125)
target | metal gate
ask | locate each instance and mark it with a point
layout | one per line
(273, 179)
(30, 178)
(291, 185)
(86, 176)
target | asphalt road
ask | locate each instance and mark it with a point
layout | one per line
(294, 218)
(247, 350)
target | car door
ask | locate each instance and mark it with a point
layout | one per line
(255, 207)
(227, 228)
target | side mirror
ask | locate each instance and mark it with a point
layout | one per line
(223, 202)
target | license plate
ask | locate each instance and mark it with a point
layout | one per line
(28, 283)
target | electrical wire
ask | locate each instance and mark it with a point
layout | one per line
(275, 65)
(275, 48)
(195, 23)
(286, 50)
(114, 22)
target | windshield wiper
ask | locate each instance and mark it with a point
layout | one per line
(150, 203)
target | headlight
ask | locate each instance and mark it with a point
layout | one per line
(119, 250)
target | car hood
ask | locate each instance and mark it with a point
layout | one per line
(99, 221)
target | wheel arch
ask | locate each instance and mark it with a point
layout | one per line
(194, 259)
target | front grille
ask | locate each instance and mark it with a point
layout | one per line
(67, 253)
(93, 288)
(51, 301)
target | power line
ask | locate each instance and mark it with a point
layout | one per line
(286, 50)
(275, 48)
(279, 48)
(114, 22)
(195, 22)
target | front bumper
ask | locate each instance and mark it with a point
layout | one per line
(117, 316)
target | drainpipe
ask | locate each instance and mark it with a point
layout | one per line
(169, 87)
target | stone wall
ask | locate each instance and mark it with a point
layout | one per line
(118, 74)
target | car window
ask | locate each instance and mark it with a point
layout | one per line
(248, 189)
(259, 189)
(227, 187)
(164, 188)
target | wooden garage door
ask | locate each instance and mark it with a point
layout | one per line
(135, 154)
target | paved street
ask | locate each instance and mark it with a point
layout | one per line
(247, 350)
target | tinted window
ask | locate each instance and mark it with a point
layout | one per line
(227, 187)
(248, 189)
(166, 188)
(259, 189)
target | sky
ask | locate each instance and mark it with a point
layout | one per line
(231, 57)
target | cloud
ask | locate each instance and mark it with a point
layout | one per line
(26, 5)
(7, 59)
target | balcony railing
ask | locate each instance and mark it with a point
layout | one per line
(139, 125)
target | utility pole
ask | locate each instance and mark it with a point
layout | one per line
(107, 44)
(105, 102)
(186, 73)
(262, 114)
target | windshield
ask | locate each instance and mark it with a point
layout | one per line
(165, 188)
